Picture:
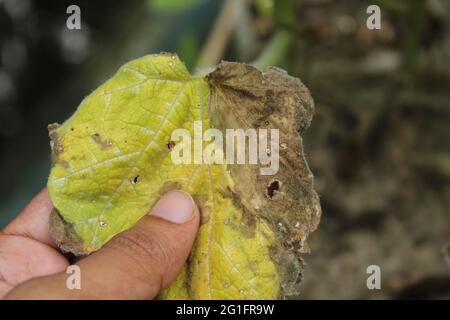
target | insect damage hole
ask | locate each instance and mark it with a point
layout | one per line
(170, 144)
(134, 180)
(272, 188)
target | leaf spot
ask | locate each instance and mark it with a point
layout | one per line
(98, 140)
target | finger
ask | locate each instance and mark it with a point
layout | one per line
(22, 259)
(32, 221)
(136, 264)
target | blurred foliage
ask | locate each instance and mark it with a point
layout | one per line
(284, 13)
(416, 22)
(392, 5)
(264, 7)
(172, 6)
(188, 48)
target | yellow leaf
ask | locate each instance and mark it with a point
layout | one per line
(112, 161)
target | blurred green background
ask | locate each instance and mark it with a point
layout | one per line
(378, 145)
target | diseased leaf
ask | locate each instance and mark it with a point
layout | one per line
(112, 162)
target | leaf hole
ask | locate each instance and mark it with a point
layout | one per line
(135, 180)
(170, 144)
(272, 188)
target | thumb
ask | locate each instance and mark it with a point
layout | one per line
(136, 264)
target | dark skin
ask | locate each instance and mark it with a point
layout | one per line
(136, 264)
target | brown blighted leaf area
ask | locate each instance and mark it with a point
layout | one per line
(243, 97)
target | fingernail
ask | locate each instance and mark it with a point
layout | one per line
(175, 206)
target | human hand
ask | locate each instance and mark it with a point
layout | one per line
(136, 264)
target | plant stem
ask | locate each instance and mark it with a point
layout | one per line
(218, 38)
(276, 50)
(416, 21)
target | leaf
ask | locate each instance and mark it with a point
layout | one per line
(112, 161)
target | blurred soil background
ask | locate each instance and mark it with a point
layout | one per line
(378, 144)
